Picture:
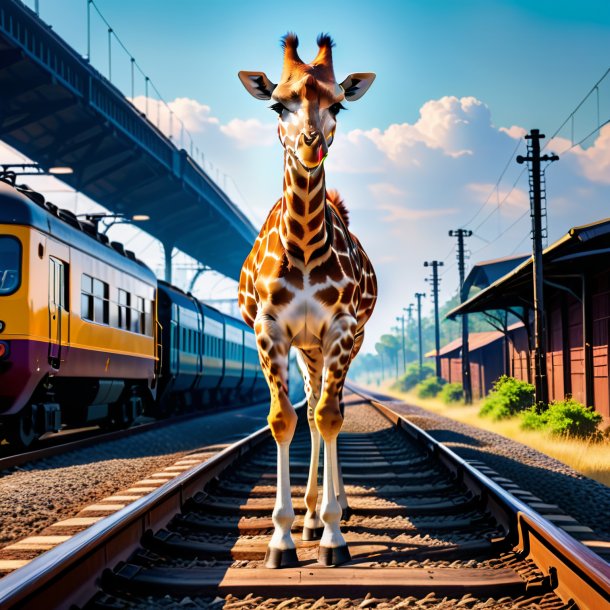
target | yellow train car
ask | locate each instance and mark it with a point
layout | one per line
(78, 322)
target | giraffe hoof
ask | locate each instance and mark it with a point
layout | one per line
(278, 558)
(333, 556)
(346, 513)
(312, 533)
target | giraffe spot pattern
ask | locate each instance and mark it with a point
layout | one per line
(327, 296)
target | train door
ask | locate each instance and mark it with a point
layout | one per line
(59, 314)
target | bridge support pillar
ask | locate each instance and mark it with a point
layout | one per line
(168, 250)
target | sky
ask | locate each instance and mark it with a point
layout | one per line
(429, 148)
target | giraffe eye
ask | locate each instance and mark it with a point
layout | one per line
(278, 107)
(335, 108)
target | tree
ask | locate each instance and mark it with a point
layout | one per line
(393, 346)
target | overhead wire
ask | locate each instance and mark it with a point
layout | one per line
(579, 105)
(497, 183)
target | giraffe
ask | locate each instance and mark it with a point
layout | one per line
(307, 283)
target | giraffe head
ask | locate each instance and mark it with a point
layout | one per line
(307, 99)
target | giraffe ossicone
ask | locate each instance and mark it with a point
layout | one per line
(307, 284)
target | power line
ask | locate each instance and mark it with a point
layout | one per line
(501, 203)
(584, 99)
(497, 184)
(504, 231)
(606, 122)
(594, 89)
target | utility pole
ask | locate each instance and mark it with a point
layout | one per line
(396, 329)
(536, 211)
(466, 380)
(409, 311)
(437, 330)
(419, 296)
(401, 319)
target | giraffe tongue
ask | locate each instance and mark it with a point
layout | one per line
(320, 154)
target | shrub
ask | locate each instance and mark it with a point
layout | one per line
(430, 387)
(508, 397)
(570, 418)
(452, 392)
(533, 418)
(411, 377)
(565, 417)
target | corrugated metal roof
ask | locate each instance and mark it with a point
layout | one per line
(475, 341)
(487, 272)
(515, 288)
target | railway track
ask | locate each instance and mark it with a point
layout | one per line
(423, 525)
(56, 444)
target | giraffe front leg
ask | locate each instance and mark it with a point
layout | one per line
(282, 418)
(311, 363)
(337, 346)
(339, 487)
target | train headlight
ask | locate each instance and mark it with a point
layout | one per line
(4, 350)
(2, 325)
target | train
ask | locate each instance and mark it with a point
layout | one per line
(89, 335)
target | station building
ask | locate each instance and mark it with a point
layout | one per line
(576, 270)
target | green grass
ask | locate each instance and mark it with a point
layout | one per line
(590, 458)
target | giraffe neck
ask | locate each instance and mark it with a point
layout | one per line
(303, 229)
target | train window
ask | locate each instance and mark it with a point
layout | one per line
(148, 317)
(10, 264)
(138, 316)
(58, 293)
(101, 311)
(124, 309)
(94, 301)
(86, 297)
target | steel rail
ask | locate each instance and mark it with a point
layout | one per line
(67, 574)
(574, 572)
(93, 437)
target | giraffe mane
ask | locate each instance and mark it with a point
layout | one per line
(335, 199)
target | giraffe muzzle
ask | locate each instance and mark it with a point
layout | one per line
(311, 150)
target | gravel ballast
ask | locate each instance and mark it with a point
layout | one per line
(585, 499)
(36, 495)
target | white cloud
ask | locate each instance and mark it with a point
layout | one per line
(399, 213)
(177, 116)
(447, 124)
(595, 160)
(503, 196)
(514, 131)
(250, 132)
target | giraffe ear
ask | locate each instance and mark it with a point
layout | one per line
(357, 84)
(257, 84)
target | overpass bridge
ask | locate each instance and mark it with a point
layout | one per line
(60, 111)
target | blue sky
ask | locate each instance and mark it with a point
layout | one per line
(457, 84)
